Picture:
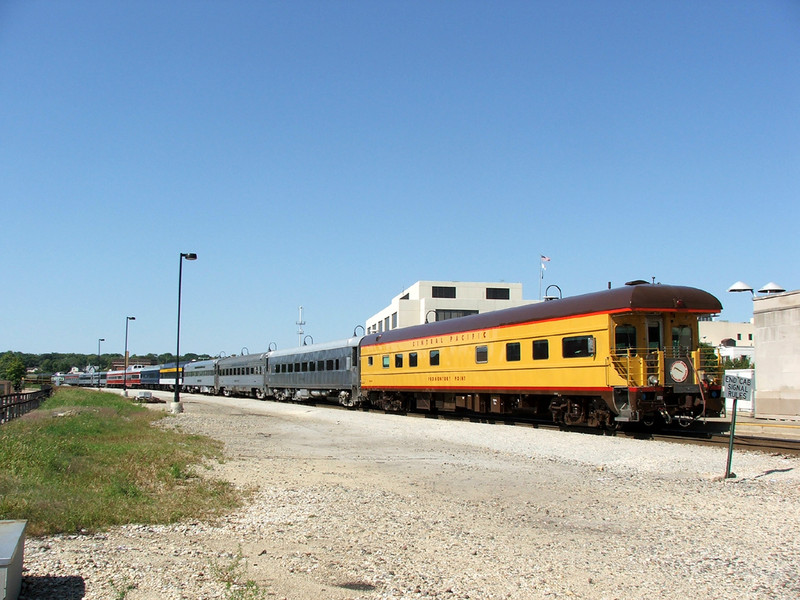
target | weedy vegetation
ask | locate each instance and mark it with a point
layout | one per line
(87, 460)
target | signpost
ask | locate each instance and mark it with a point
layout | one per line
(736, 388)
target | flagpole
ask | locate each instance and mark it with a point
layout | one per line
(542, 259)
(541, 277)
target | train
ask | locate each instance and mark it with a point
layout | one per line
(599, 360)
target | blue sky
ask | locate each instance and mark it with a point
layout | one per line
(331, 153)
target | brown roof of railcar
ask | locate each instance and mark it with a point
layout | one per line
(642, 297)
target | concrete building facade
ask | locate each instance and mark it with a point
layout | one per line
(428, 301)
(731, 339)
(776, 318)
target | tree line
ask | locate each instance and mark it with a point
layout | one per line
(55, 362)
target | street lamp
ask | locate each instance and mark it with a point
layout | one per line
(98, 359)
(740, 286)
(176, 404)
(125, 372)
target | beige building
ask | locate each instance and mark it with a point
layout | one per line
(428, 301)
(726, 333)
(731, 339)
(777, 353)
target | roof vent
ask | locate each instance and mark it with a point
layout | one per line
(637, 282)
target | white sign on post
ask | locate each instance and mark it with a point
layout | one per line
(737, 386)
(740, 385)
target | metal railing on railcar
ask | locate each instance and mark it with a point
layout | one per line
(644, 367)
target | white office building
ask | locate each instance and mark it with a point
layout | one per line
(428, 301)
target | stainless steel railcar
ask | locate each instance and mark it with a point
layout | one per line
(200, 377)
(243, 375)
(326, 371)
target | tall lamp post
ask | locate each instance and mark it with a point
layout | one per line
(176, 404)
(125, 372)
(98, 359)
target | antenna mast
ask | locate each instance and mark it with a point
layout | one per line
(300, 331)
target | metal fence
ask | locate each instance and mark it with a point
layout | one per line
(16, 405)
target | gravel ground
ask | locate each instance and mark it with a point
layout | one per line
(351, 505)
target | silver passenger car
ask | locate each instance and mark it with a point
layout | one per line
(327, 371)
(200, 377)
(243, 375)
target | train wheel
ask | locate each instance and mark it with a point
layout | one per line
(226, 392)
(260, 394)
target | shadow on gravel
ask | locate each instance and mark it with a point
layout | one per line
(70, 587)
(357, 586)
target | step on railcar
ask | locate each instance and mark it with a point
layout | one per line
(629, 354)
(318, 371)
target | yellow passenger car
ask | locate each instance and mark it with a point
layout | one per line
(626, 354)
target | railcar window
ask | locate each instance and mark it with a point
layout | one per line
(312, 366)
(481, 354)
(412, 359)
(575, 347)
(624, 338)
(338, 368)
(297, 367)
(541, 350)
(398, 361)
(681, 338)
(513, 352)
(369, 360)
(320, 365)
(434, 358)
(385, 361)
(329, 365)
(304, 367)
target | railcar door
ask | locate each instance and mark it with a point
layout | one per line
(655, 337)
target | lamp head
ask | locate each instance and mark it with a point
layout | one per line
(771, 288)
(189, 255)
(740, 286)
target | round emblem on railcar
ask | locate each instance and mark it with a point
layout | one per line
(679, 371)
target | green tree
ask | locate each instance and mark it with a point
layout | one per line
(740, 362)
(13, 369)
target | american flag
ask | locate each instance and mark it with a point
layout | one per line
(545, 258)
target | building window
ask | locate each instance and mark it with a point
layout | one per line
(386, 324)
(442, 291)
(398, 361)
(434, 358)
(541, 350)
(481, 354)
(750, 336)
(498, 294)
(394, 320)
(578, 346)
(512, 352)
(739, 337)
(444, 314)
(412, 359)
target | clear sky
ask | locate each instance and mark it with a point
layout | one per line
(331, 153)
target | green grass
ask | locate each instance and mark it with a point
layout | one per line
(88, 460)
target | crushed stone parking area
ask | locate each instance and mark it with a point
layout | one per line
(355, 505)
